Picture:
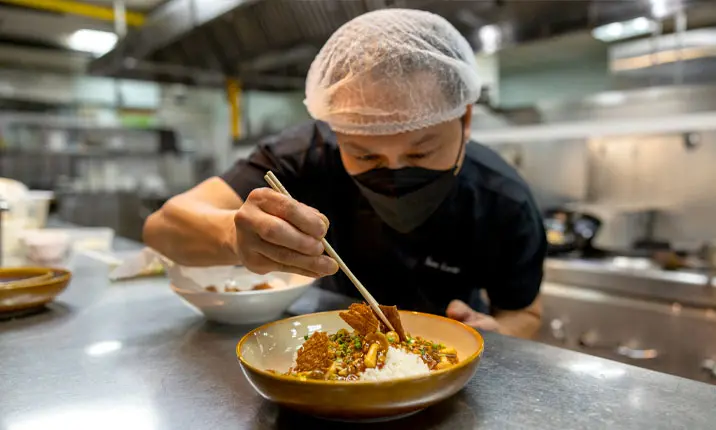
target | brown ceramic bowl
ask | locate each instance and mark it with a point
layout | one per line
(273, 345)
(30, 287)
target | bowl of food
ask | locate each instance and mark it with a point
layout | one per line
(346, 365)
(25, 288)
(234, 295)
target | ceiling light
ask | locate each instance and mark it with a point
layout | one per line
(92, 41)
(490, 38)
(624, 30)
(642, 24)
(659, 8)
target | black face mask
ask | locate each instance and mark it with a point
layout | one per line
(405, 198)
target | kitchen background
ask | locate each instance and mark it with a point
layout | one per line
(608, 109)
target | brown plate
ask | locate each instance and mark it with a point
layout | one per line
(30, 287)
(273, 345)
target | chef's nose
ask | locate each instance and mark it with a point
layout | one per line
(395, 162)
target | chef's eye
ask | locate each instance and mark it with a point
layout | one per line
(419, 156)
(369, 157)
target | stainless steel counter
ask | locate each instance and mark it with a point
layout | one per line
(634, 277)
(668, 338)
(133, 356)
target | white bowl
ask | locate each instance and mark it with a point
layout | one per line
(245, 307)
(46, 248)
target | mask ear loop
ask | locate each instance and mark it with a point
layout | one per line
(458, 164)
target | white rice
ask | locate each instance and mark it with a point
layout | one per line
(398, 364)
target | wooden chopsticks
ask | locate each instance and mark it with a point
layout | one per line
(278, 187)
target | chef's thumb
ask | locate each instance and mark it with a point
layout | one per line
(459, 310)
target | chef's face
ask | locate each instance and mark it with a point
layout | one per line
(434, 147)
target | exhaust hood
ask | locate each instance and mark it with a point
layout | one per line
(688, 57)
(269, 44)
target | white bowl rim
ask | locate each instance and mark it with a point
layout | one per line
(241, 293)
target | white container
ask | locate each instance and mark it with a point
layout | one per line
(91, 238)
(16, 195)
(38, 208)
(12, 231)
(47, 248)
(13, 221)
(94, 238)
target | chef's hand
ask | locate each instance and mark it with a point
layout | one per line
(460, 311)
(278, 234)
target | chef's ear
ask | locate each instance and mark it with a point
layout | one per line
(467, 123)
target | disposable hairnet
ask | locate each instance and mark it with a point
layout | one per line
(392, 71)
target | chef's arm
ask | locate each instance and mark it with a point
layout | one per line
(514, 288)
(196, 228)
(522, 323)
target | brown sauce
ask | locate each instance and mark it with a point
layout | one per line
(344, 355)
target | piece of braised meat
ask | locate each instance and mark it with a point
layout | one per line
(391, 312)
(362, 319)
(313, 355)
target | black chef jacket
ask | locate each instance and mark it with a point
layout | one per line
(487, 234)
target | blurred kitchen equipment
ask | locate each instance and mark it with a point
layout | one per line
(648, 241)
(707, 253)
(571, 231)
(625, 226)
(560, 238)
(668, 259)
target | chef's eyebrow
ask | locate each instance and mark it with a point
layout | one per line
(356, 147)
(425, 139)
(421, 141)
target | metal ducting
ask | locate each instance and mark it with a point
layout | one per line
(269, 44)
(12, 56)
(266, 43)
(688, 57)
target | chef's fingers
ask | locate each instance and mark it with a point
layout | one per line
(272, 229)
(459, 310)
(483, 323)
(323, 217)
(298, 271)
(306, 219)
(262, 265)
(275, 230)
(322, 264)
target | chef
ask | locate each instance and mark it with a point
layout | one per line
(425, 218)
